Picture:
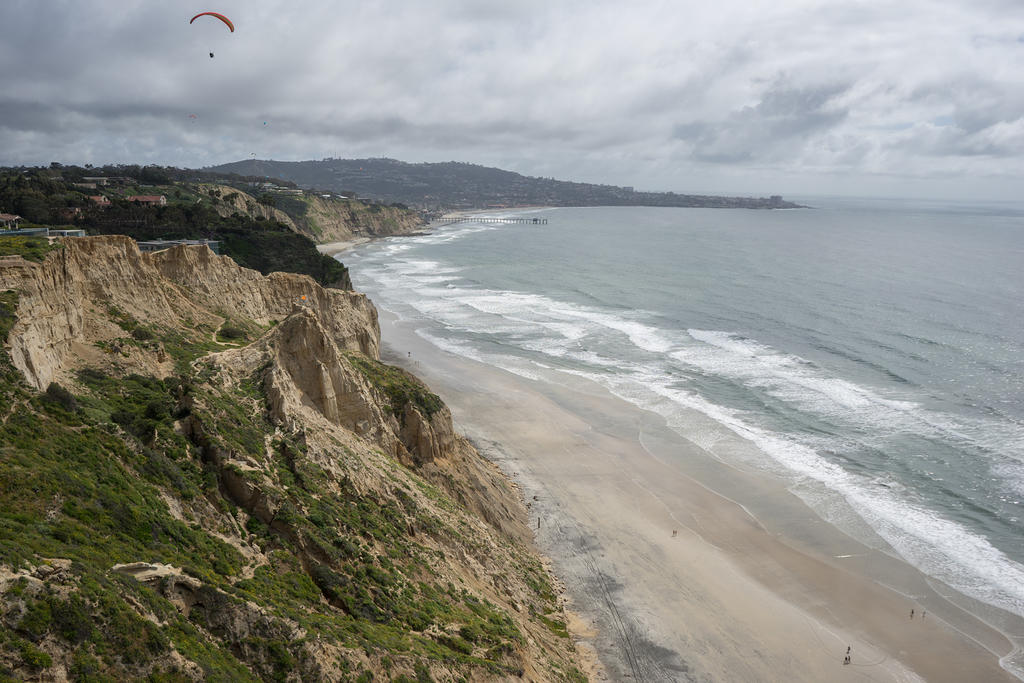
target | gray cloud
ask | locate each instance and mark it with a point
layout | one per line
(801, 95)
(784, 118)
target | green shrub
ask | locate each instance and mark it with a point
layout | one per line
(417, 621)
(470, 632)
(34, 657)
(422, 673)
(35, 623)
(85, 667)
(93, 375)
(399, 386)
(62, 397)
(331, 584)
(456, 643)
(122, 417)
(157, 410)
(71, 619)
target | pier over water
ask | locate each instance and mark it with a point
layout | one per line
(476, 219)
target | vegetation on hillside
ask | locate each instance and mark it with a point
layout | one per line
(398, 386)
(51, 197)
(454, 185)
(137, 468)
(28, 247)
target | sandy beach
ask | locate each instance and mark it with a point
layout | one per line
(669, 578)
(335, 248)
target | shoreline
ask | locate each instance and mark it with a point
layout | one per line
(335, 248)
(729, 597)
(752, 585)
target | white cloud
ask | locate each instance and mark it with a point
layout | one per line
(729, 96)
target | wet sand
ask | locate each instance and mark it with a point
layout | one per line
(335, 248)
(763, 591)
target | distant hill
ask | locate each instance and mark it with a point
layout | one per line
(454, 185)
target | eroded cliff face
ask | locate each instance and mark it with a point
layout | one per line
(309, 371)
(71, 301)
(333, 220)
(322, 219)
(233, 201)
(324, 519)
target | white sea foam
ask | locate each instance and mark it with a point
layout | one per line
(940, 547)
(457, 348)
(643, 336)
(808, 387)
(450, 234)
(789, 377)
(531, 312)
(409, 267)
(467, 350)
(579, 340)
(785, 377)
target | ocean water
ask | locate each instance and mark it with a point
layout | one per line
(869, 352)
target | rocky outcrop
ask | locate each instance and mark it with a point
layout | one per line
(322, 219)
(219, 283)
(65, 303)
(232, 201)
(335, 220)
(308, 371)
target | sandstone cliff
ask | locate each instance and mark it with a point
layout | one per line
(233, 200)
(236, 487)
(334, 220)
(322, 219)
(72, 300)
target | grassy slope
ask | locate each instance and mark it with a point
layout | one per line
(87, 477)
(28, 247)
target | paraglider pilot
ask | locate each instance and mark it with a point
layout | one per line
(227, 22)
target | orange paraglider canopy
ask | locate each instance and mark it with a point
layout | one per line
(219, 16)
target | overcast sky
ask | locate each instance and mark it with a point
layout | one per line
(799, 97)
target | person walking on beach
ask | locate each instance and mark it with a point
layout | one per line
(911, 613)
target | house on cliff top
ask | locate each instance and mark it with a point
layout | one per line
(10, 221)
